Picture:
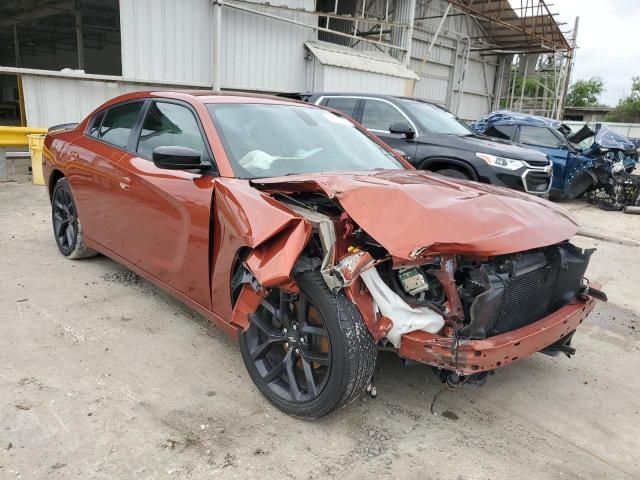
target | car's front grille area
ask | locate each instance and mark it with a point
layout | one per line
(521, 289)
(524, 301)
(537, 163)
(536, 181)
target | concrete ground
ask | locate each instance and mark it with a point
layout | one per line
(104, 376)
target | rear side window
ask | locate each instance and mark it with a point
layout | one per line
(118, 123)
(168, 124)
(506, 132)
(343, 104)
(379, 115)
(539, 137)
(95, 124)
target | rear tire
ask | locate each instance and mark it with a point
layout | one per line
(453, 173)
(341, 341)
(67, 229)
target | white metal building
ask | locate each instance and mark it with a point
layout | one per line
(59, 59)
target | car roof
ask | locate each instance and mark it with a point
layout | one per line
(506, 117)
(356, 94)
(211, 97)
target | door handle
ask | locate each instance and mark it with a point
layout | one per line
(74, 155)
(125, 183)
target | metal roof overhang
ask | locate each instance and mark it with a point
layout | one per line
(345, 57)
(532, 29)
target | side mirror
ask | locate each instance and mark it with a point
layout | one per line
(402, 128)
(177, 158)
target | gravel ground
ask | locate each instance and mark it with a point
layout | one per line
(104, 376)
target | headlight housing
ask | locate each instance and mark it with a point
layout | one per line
(500, 162)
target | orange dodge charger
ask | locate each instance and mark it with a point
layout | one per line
(314, 244)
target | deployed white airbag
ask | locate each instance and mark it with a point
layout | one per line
(404, 317)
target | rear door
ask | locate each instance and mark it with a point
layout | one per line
(166, 214)
(94, 175)
(545, 140)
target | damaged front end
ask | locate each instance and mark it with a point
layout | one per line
(445, 285)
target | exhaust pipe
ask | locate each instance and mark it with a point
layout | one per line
(631, 209)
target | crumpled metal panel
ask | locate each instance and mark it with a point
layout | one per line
(416, 213)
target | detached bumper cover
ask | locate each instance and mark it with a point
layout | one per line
(474, 356)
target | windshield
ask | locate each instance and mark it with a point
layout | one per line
(272, 140)
(436, 119)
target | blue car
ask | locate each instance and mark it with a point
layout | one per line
(572, 157)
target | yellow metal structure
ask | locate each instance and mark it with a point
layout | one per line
(36, 143)
(11, 137)
(17, 136)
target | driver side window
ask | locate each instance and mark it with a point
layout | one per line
(169, 124)
(538, 136)
(379, 115)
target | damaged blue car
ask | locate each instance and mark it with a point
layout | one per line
(582, 160)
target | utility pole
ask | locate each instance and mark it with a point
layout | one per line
(217, 45)
(79, 39)
(16, 45)
(565, 89)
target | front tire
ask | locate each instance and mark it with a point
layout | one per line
(67, 229)
(311, 353)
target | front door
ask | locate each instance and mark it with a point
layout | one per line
(378, 115)
(546, 141)
(166, 214)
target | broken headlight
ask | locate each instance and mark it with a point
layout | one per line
(501, 162)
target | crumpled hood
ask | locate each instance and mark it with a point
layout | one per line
(410, 211)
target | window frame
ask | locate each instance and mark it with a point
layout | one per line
(105, 111)
(207, 154)
(357, 109)
(551, 132)
(134, 135)
(360, 110)
(510, 138)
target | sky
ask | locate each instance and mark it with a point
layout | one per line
(608, 42)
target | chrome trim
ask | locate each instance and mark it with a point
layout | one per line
(535, 167)
(548, 169)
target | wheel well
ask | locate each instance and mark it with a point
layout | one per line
(53, 179)
(435, 164)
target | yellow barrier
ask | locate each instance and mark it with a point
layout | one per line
(17, 136)
(36, 142)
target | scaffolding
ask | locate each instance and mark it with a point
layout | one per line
(535, 56)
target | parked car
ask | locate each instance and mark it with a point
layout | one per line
(313, 244)
(433, 139)
(572, 155)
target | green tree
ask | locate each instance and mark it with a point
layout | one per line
(585, 93)
(628, 109)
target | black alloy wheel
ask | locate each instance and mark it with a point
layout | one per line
(289, 345)
(308, 353)
(67, 228)
(65, 221)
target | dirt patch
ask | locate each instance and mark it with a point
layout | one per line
(124, 278)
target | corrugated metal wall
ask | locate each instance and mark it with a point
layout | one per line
(172, 41)
(337, 79)
(260, 53)
(168, 40)
(51, 100)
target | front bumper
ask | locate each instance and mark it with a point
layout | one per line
(530, 179)
(475, 356)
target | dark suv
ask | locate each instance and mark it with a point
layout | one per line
(433, 139)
